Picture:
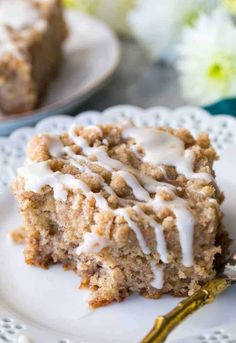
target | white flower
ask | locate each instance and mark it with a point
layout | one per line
(87, 6)
(230, 5)
(207, 59)
(113, 12)
(158, 23)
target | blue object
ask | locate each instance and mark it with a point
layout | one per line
(225, 106)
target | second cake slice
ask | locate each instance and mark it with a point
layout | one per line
(31, 37)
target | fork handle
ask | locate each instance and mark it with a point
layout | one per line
(165, 324)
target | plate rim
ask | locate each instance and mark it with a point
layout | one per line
(134, 110)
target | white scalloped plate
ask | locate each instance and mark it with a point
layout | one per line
(46, 305)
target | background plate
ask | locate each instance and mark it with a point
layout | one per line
(47, 307)
(92, 54)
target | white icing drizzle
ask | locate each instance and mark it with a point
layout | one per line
(110, 164)
(77, 163)
(139, 192)
(160, 238)
(134, 149)
(20, 16)
(4, 35)
(84, 169)
(162, 169)
(150, 184)
(78, 158)
(38, 175)
(92, 244)
(123, 212)
(103, 158)
(6, 45)
(105, 141)
(164, 148)
(159, 148)
(158, 275)
(55, 145)
(184, 218)
(184, 223)
(213, 201)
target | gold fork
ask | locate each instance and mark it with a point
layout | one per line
(165, 324)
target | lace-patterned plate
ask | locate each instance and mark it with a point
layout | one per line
(41, 306)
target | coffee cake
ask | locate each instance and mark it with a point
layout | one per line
(129, 209)
(31, 37)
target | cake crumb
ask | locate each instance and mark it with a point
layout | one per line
(17, 235)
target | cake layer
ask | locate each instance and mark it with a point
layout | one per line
(129, 209)
(31, 37)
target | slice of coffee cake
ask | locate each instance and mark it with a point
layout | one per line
(31, 37)
(129, 209)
